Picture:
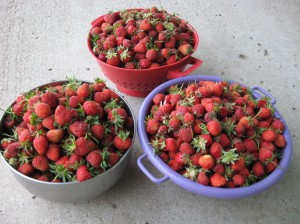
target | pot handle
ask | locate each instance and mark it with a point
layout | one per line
(176, 74)
(263, 91)
(94, 22)
(147, 173)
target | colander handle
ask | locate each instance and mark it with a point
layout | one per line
(147, 173)
(263, 91)
(176, 74)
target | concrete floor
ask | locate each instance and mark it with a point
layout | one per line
(254, 42)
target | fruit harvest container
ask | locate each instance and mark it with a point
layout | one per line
(139, 82)
(72, 191)
(194, 187)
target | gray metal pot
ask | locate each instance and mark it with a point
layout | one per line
(74, 191)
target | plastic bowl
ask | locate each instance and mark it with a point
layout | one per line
(73, 191)
(195, 187)
(140, 82)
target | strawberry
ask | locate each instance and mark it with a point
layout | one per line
(187, 148)
(42, 110)
(181, 158)
(83, 90)
(258, 169)
(92, 108)
(269, 135)
(53, 152)
(40, 162)
(40, 144)
(140, 48)
(214, 127)
(25, 136)
(26, 169)
(171, 145)
(280, 141)
(43, 178)
(186, 49)
(84, 146)
(101, 97)
(94, 158)
(62, 115)
(12, 150)
(239, 179)
(271, 166)
(98, 131)
(145, 63)
(122, 141)
(50, 98)
(113, 159)
(152, 126)
(265, 154)
(264, 113)
(278, 126)
(217, 180)
(186, 134)
(203, 178)
(238, 164)
(171, 60)
(83, 173)
(250, 145)
(78, 128)
(110, 18)
(49, 122)
(145, 25)
(219, 168)
(112, 58)
(216, 150)
(151, 54)
(55, 135)
(188, 119)
(174, 165)
(206, 162)
(158, 99)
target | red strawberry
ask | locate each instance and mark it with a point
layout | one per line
(40, 144)
(98, 131)
(113, 159)
(42, 110)
(269, 135)
(239, 179)
(25, 136)
(198, 110)
(79, 128)
(140, 48)
(278, 126)
(239, 129)
(197, 127)
(238, 164)
(171, 60)
(174, 165)
(50, 98)
(94, 158)
(206, 162)
(181, 158)
(170, 43)
(83, 173)
(152, 126)
(102, 97)
(214, 127)
(145, 25)
(219, 168)
(49, 122)
(265, 154)
(258, 169)
(84, 146)
(250, 145)
(203, 178)
(83, 90)
(122, 141)
(55, 135)
(224, 140)
(151, 54)
(186, 134)
(244, 171)
(43, 178)
(271, 166)
(92, 108)
(280, 141)
(217, 180)
(26, 169)
(12, 150)
(188, 119)
(112, 58)
(216, 150)
(264, 113)
(53, 152)
(171, 145)
(120, 32)
(110, 18)
(145, 63)
(62, 115)
(40, 162)
(187, 148)
(158, 99)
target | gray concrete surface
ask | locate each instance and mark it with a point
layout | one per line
(254, 42)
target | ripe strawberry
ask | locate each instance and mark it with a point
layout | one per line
(188, 119)
(55, 135)
(40, 144)
(238, 164)
(101, 97)
(140, 48)
(83, 90)
(265, 154)
(186, 134)
(84, 146)
(174, 165)
(239, 129)
(110, 18)
(187, 148)
(217, 180)
(12, 150)
(83, 173)
(258, 169)
(197, 127)
(278, 126)
(43, 178)
(50, 98)
(152, 126)
(171, 145)
(264, 113)
(122, 141)
(171, 60)
(250, 145)
(79, 128)
(40, 162)
(49, 122)
(94, 158)
(145, 25)
(92, 108)
(112, 58)
(216, 150)
(25, 136)
(203, 178)
(271, 166)
(151, 54)
(219, 168)
(145, 63)
(113, 159)
(280, 141)
(239, 179)
(53, 152)
(181, 158)
(244, 171)
(42, 110)
(269, 135)
(62, 115)
(214, 127)
(224, 140)
(206, 162)
(26, 169)
(98, 131)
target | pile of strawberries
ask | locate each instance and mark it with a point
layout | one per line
(216, 133)
(68, 132)
(141, 39)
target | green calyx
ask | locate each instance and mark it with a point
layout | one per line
(229, 157)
